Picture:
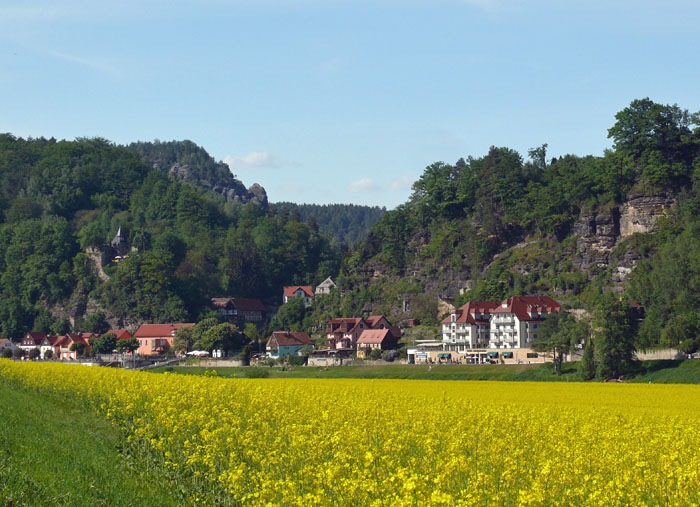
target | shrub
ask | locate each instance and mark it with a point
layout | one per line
(6, 353)
(375, 354)
(390, 355)
(34, 354)
(688, 346)
(297, 360)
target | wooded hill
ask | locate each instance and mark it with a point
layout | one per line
(572, 227)
(347, 223)
(62, 199)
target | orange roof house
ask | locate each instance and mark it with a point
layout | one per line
(157, 338)
(303, 291)
(382, 339)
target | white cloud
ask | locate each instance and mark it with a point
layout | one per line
(363, 185)
(401, 184)
(93, 64)
(252, 160)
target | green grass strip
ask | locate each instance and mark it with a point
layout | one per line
(656, 371)
(55, 453)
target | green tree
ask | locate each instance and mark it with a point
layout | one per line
(222, 336)
(558, 333)
(290, 316)
(614, 337)
(184, 340)
(94, 323)
(104, 344)
(130, 345)
(587, 366)
(78, 348)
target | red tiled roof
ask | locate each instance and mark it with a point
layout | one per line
(159, 330)
(289, 291)
(465, 314)
(374, 336)
(524, 306)
(35, 337)
(289, 338)
(121, 334)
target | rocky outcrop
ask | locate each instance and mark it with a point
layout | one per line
(640, 213)
(600, 232)
(230, 188)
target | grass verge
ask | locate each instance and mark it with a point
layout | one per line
(54, 453)
(661, 372)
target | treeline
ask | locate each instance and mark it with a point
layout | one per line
(466, 216)
(347, 223)
(58, 199)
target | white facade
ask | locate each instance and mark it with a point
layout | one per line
(511, 324)
(325, 286)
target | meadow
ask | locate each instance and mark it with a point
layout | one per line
(391, 442)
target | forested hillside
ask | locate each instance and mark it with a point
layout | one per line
(59, 200)
(347, 223)
(572, 227)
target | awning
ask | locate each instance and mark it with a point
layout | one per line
(444, 355)
(492, 354)
(507, 355)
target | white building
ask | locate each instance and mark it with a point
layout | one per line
(512, 323)
(325, 286)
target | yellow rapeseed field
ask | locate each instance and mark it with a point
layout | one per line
(396, 442)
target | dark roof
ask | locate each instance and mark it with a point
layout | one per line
(289, 338)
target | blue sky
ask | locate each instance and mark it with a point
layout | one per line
(343, 100)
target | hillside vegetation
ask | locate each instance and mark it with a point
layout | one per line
(574, 227)
(59, 199)
(347, 223)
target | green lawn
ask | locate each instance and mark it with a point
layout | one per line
(667, 372)
(52, 453)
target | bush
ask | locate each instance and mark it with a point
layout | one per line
(257, 373)
(390, 355)
(688, 346)
(297, 360)
(48, 354)
(6, 353)
(375, 354)
(18, 353)
(34, 354)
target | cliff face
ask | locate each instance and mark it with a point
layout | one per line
(225, 185)
(187, 162)
(599, 233)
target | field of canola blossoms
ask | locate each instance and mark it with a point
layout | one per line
(394, 442)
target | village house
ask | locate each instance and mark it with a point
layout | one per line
(240, 310)
(156, 338)
(325, 287)
(31, 340)
(7, 344)
(62, 345)
(344, 332)
(371, 339)
(286, 343)
(48, 344)
(301, 291)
